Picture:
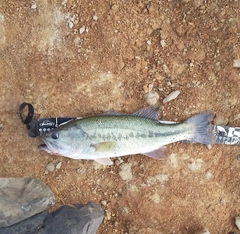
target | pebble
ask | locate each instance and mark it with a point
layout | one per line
(104, 203)
(70, 24)
(151, 98)
(148, 42)
(58, 166)
(195, 164)
(236, 63)
(220, 120)
(125, 172)
(95, 17)
(237, 222)
(82, 29)
(108, 215)
(50, 167)
(125, 210)
(163, 43)
(171, 96)
(209, 146)
(34, 5)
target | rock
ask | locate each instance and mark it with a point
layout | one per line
(21, 198)
(104, 203)
(50, 167)
(155, 198)
(125, 172)
(108, 215)
(236, 63)
(34, 5)
(237, 222)
(58, 166)
(152, 98)
(195, 164)
(171, 96)
(82, 29)
(220, 120)
(29, 226)
(95, 18)
(209, 146)
(75, 219)
(163, 43)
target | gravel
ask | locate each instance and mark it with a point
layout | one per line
(237, 222)
(171, 96)
(50, 167)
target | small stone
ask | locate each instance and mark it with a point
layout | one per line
(108, 215)
(166, 70)
(155, 198)
(163, 43)
(220, 120)
(236, 63)
(34, 5)
(237, 222)
(209, 146)
(171, 96)
(70, 24)
(125, 210)
(95, 18)
(50, 167)
(152, 98)
(58, 166)
(104, 203)
(195, 165)
(82, 29)
(148, 42)
(125, 172)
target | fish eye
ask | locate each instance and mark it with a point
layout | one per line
(54, 135)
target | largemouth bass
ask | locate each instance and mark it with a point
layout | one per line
(118, 134)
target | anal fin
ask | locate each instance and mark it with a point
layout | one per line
(104, 161)
(159, 154)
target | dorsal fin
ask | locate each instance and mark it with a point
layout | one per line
(146, 112)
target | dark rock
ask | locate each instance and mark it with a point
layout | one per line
(21, 198)
(75, 219)
(31, 225)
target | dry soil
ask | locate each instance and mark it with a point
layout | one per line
(83, 57)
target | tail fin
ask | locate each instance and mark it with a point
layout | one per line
(202, 129)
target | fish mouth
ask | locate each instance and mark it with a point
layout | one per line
(43, 147)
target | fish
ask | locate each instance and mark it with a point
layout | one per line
(115, 134)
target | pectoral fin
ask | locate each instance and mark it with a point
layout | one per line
(158, 153)
(104, 146)
(104, 161)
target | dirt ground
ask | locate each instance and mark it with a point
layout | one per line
(83, 57)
